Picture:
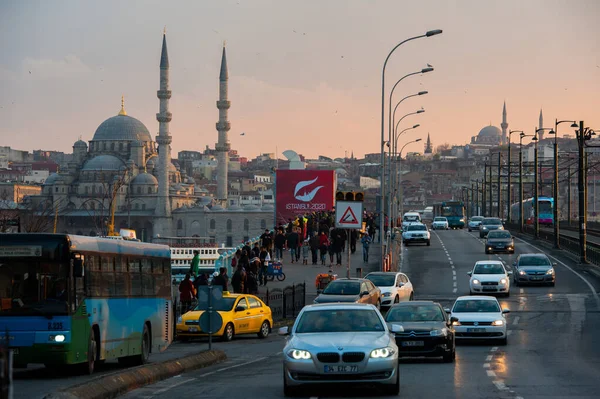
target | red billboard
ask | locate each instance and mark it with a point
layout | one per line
(303, 191)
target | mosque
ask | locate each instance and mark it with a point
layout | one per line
(124, 169)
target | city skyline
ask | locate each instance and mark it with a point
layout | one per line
(312, 87)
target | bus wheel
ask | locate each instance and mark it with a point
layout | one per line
(91, 354)
(145, 349)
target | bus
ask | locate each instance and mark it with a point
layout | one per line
(68, 299)
(454, 211)
(546, 211)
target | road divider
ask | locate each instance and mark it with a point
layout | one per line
(114, 385)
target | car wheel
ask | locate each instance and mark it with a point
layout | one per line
(449, 356)
(378, 305)
(228, 333)
(552, 284)
(503, 341)
(397, 299)
(487, 252)
(428, 243)
(516, 283)
(411, 298)
(470, 230)
(90, 365)
(265, 328)
(480, 235)
(394, 390)
(470, 292)
(507, 294)
(288, 391)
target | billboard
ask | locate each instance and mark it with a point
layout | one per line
(303, 191)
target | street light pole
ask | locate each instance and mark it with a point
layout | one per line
(401, 186)
(396, 168)
(490, 199)
(536, 213)
(499, 189)
(521, 217)
(581, 182)
(382, 141)
(483, 189)
(509, 194)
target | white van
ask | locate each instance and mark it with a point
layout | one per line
(411, 217)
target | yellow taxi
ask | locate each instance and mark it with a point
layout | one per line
(241, 313)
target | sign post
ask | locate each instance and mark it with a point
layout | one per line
(210, 321)
(348, 215)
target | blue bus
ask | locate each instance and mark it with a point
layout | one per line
(68, 299)
(546, 211)
(454, 211)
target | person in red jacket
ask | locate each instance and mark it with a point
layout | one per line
(186, 292)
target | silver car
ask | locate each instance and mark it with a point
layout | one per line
(489, 224)
(340, 343)
(474, 222)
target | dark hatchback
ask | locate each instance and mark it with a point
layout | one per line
(499, 241)
(427, 330)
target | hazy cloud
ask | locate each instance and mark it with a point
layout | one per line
(68, 67)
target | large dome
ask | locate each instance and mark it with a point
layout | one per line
(122, 127)
(490, 131)
(103, 162)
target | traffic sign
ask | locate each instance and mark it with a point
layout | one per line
(210, 322)
(348, 214)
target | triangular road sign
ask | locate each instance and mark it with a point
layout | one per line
(348, 217)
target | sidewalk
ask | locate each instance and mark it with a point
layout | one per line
(297, 273)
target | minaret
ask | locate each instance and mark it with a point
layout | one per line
(504, 126)
(541, 125)
(162, 223)
(223, 126)
(428, 145)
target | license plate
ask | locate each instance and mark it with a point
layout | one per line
(341, 369)
(413, 343)
(536, 278)
(193, 329)
(489, 288)
(499, 246)
(475, 330)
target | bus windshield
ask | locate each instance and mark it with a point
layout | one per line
(545, 207)
(32, 287)
(452, 210)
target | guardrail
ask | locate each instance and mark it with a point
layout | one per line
(224, 259)
(285, 303)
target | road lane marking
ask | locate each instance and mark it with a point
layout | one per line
(175, 385)
(489, 358)
(516, 320)
(232, 367)
(494, 349)
(509, 332)
(486, 365)
(490, 373)
(500, 385)
(454, 277)
(454, 272)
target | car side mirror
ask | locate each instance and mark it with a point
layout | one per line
(469, 274)
(364, 293)
(555, 264)
(239, 308)
(284, 331)
(509, 273)
(400, 284)
(447, 310)
(504, 311)
(396, 328)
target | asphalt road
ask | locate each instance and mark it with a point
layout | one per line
(552, 352)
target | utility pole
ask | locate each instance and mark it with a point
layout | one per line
(581, 182)
(569, 196)
(491, 204)
(499, 189)
(521, 185)
(536, 210)
(483, 188)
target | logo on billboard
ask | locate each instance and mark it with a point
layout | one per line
(306, 196)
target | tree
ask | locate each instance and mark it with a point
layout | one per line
(99, 207)
(442, 147)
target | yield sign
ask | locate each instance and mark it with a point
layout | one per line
(348, 214)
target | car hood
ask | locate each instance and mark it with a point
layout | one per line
(409, 326)
(475, 222)
(499, 240)
(477, 316)
(386, 289)
(324, 298)
(489, 277)
(535, 268)
(332, 342)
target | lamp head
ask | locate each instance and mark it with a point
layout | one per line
(425, 70)
(522, 135)
(575, 125)
(416, 126)
(534, 138)
(433, 32)
(417, 140)
(552, 132)
(420, 111)
(422, 92)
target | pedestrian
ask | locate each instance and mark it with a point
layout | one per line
(305, 251)
(221, 279)
(186, 293)
(267, 240)
(279, 243)
(262, 272)
(314, 247)
(238, 280)
(251, 283)
(194, 267)
(366, 242)
(323, 246)
(292, 243)
(353, 239)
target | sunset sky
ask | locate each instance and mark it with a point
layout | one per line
(303, 75)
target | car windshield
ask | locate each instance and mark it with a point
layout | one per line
(476, 218)
(475, 305)
(499, 234)
(224, 304)
(410, 313)
(489, 268)
(339, 320)
(534, 261)
(411, 218)
(491, 221)
(382, 280)
(416, 227)
(342, 288)
(440, 220)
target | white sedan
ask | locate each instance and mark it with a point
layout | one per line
(440, 223)
(489, 277)
(416, 233)
(395, 287)
(479, 317)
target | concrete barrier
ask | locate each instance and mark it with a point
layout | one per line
(114, 385)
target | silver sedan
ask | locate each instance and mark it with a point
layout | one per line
(340, 343)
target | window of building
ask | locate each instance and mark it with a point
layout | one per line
(229, 241)
(149, 190)
(246, 225)
(143, 207)
(180, 224)
(229, 225)
(121, 147)
(213, 224)
(139, 190)
(112, 146)
(263, 224)
(56, 189)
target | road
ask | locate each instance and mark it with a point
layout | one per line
(551, 350)
(35, 382)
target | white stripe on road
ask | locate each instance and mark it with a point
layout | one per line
(489, 358)
(178, 383)
(232, 367)
(486, 365)
(516, 320)
(490, 373)
(500, 385)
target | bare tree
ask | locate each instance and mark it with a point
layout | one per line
(40, 217)
(442, 147)
(100, 206)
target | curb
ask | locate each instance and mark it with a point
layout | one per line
(114, 385)
(284, 323)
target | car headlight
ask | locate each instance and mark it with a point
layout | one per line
(56, 338)
(522, 272)
(485, 228)
(456, 323)
(503, 281)
(475, 281)
(501, 228)
(498, 323)
(179, 320)
(386, 294)
(551, 271)
(299, 354)
(382, 353)
(462, 219)
(439, 333)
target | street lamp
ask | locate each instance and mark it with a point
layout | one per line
(420, 111)
(536, 193)
(396, 166)
(555, 193)
(508, 202)
(421, 93)
(401, 187)
(521, 136)
(382, 141)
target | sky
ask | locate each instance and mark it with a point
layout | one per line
(303, 75)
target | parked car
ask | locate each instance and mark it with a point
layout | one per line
(490, 224)
(534, 269)
(489, 277)
(416, 233)
(340, 343)
(359, 290)
(427, 330)
(499, 241)
(479, 317)
(440, 223)
(395, 287)
(474, 223)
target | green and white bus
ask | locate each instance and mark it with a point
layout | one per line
(68, 299)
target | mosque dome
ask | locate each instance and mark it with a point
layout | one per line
(80, 144)
(52, 178)
(104, 163)
(145, 178)
(490, 132)
(122, 128)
